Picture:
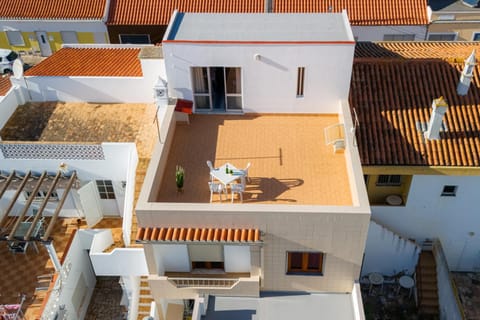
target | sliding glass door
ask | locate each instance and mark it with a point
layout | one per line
(217, 88)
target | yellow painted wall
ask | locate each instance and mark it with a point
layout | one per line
(465, 30)
(377, 194)
(31, 42)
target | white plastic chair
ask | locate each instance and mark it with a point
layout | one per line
(245, 171)
(238, 188)
(216, 188)
(210, 165)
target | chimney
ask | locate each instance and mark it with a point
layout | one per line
(467, 74)
(439, 107)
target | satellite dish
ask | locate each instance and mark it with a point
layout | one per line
(17, 69)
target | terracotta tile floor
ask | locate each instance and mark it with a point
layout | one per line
(19, 271)
(290, 163)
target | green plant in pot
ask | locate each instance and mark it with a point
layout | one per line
(179, 177)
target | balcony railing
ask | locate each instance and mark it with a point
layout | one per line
(220, 283)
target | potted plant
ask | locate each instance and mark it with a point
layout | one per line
(179, 177)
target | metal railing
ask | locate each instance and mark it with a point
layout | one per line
(203, 282)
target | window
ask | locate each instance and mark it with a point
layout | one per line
(365, 179)
(449, 191)
(233, 81)
(42, 194)
(476, 36)
(389, 180)
(206, 256)
(69, 37)
(15, 38)
(305, 263)
(300, 81)
(442, 37)
(135, 38)
(217, 88)
(398, 37)
(105, 189)
(207, 265)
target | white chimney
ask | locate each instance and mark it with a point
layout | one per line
(439, 107)
(467, 75)
(160, 92)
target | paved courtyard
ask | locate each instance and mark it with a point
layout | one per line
(105, 302)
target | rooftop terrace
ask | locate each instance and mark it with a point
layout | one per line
(290, 162)
(83, 122)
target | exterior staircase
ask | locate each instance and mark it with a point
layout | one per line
(426, 278)
(145, 299)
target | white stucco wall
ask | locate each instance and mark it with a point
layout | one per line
(171, 257)
(91, 89)
(237, 258)
(376, 33)
(269, 84)
(53, 26)
(9, 103)
(77, 287)
(117, 163)
(453, 220)
(388, 253)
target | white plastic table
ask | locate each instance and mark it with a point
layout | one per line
(226, 178)
(407, 282)
(376, 279)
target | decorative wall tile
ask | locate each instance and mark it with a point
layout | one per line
(52, 151)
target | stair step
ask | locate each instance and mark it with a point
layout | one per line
(427, 278)
(144, 300)
(428, 294)
(144, 292)
(429, 302)
(429, 310)
(144, 309)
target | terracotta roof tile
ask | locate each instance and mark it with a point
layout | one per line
(90, 62)
(53, 9)
(172, 234)
(452, 51)
(363, 12)
(159, 12)
(393, 96)
(5, 85)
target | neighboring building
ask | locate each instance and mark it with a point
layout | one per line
(37, 26)
(454, 20)
(260, 95)
(145, 21)
(421, 184)
(73, 165)
(371, 20)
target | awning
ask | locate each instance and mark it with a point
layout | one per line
(172, 234)
(185, 106)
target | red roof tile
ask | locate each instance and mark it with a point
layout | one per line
(5, 85)
(159, 12)
(90, 62)
(392, 97)
(52, 9)
(452, 51)
(363, 12)
(169, 234)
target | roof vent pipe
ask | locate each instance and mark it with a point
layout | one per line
(467, 74)
(439, 107)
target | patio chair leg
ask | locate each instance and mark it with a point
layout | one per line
(211, 197)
